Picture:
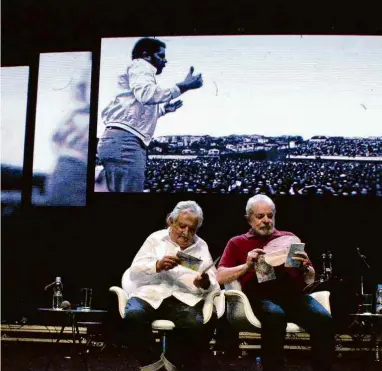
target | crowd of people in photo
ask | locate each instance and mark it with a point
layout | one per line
(247, 176)
(349, 147)
(283, 145)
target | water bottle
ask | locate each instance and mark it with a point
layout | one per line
(57, 294)
(258, 365)
(378, 299)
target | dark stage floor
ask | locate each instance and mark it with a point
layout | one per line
(33, 357)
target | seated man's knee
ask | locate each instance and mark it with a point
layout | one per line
(271, 315)
(136, 312)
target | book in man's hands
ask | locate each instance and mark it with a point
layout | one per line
(189, 261)
(264, 271)
(294, 247)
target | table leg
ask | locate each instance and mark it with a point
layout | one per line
(73, 323)
(57, 341)
(85, 350)
(84, 359)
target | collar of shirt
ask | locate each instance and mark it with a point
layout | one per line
(143, 62)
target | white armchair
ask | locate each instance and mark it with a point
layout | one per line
(214, 298)
(241, 316)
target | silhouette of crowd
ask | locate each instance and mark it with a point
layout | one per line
(247, 176)
(362, 147)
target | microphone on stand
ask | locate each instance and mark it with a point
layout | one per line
(50, 285)
(329, 268)
(57, 281)
(363, 257)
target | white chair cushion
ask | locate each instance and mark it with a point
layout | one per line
(292, 327)
(163, 325)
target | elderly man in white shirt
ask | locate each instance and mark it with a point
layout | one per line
(132, 116)
(167, 290)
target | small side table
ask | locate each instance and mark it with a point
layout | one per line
(374, 322)
(72, 317)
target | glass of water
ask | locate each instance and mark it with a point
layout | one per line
(367, 303)
(86, 298)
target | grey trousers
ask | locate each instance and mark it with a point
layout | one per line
(124, 156)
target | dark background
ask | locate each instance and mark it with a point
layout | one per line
(92, 246)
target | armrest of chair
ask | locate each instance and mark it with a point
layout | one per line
(234, 285)
(122, 299)
(239, 311)
(323, 298)
(209, 302)
(219, 302)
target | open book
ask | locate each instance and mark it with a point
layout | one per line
(189, 261)
(277, 250)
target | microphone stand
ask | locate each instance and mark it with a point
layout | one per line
(363, 258)
(327, 269)
(53, 283)
(374, 329)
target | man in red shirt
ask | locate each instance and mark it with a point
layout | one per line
(280, 300)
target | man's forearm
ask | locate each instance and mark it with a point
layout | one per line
(228, 275)
(182, 87)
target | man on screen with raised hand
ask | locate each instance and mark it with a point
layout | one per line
(131, 118)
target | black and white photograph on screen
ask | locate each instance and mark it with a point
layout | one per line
(278, 115)
(14, 96)
(131, 117)
(62, 129)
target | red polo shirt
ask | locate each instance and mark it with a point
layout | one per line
(288, 280)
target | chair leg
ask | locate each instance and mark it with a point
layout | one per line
(164, 342)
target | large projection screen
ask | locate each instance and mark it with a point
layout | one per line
(281, 115)
(14, 96)
(62, 129)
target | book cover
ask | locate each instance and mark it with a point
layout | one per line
(294, 247)
(264, 271)
(189, 261)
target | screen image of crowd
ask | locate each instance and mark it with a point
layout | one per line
(290, 177)
(286, 165)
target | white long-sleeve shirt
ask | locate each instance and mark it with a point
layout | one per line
(137, 107)
(154, 287)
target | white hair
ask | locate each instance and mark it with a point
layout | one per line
(187, 206)
(256, 199)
